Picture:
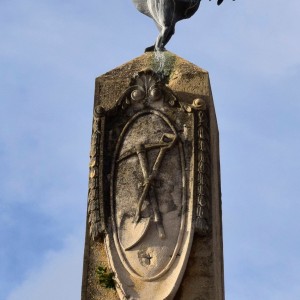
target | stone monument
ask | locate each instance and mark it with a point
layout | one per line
(154, 228)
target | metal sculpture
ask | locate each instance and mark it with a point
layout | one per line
(166, 13)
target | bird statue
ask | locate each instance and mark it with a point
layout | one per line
(166, 13)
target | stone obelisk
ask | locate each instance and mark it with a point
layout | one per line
(154, 224)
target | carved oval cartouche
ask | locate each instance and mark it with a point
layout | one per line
(148, 195)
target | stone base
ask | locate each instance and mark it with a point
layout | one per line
(202, 278)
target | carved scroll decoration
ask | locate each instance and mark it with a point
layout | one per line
(95, 207)
(147, 87)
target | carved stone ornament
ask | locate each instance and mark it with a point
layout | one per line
(149, 188)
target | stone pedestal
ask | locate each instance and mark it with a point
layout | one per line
(154, 227)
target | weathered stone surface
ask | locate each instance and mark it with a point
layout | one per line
(181, 118)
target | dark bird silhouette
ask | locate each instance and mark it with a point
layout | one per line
(166, 13)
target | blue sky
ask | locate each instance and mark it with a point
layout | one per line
(50, 54)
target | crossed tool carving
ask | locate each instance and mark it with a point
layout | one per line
(166, 142)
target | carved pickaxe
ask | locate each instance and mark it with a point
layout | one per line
(167, 141)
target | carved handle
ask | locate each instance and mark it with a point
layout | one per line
(148, 179)
(141, 152)
(167, 141)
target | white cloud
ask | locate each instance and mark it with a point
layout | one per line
(59, 277)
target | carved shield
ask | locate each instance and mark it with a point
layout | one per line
(148, 195)
(148, 167)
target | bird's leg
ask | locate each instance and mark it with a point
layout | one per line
(164, 37)
(169, 34)
(152, 48)
(165, 34)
